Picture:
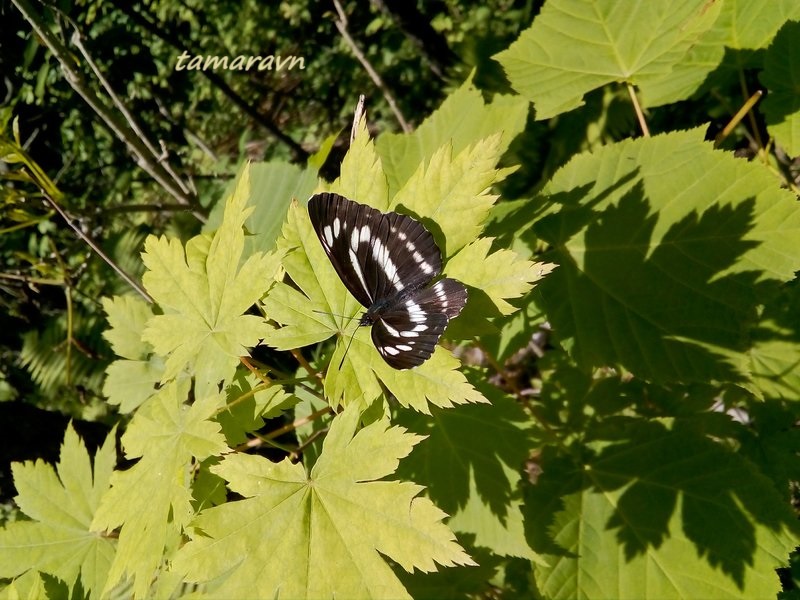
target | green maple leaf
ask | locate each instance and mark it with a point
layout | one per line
(662, 278)
(204, 291)
(462, 118)
(151, 501)
(470, 465)
(572, 49)
(61, 504)
(451, 197)
(280, 540)
(132, 379)
(663, 514)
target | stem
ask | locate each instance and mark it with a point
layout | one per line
(638, 109)
(745, 109)
(341, 25)
(305, 364)
(285, 429)
(751, 117)
(78, 42)
(128, 279)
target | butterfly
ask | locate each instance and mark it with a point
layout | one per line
(388, 261)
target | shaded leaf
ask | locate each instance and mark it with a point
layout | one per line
(781, 75)
(662, 277)
(623, 524)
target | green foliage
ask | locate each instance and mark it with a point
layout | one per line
(595, 47)
(203, 294)
(614, 413)
(450, 195)
(781, 76)
(295, 521)
(627, 230)
(61, 505)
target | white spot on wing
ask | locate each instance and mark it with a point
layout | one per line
(354, 240)
(365, 233)
(421, 260)
(381, 255)
(392, 350)
(328, 235)
(359, 274)
(411, 333)
(392, 331)
(404, 347)
(337, 227)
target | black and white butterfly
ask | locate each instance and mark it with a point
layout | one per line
(387, 261)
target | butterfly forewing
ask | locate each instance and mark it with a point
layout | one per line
(375, 254)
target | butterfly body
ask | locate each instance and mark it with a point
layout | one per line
(389, 261)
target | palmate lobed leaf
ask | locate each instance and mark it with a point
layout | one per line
(662, 513)
(279, 540)
(500, 275)
(781, 76)
(151, 501)
(273, 185)
(463, 118)
(436, 381)
(450, 196)
(61, 504)
(132, 379)
(204, 292)
(470, 465)
(666, 247)
(576, 46)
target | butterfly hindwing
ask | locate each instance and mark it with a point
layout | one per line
(446, 295)
(406, 335)
(375, 255)
(404, 343)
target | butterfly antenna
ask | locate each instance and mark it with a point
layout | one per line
(346, 350)
(322, 312)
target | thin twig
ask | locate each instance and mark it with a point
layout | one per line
(31, 280)
(147, 208)
(112, 120)
(254, 443)
(305, 364)
(298, 152)
(77, 41)
(738, 117)
(89, 242)
(341, 25)
(638, 109)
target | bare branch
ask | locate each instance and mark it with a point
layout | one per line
(298, 152)
(77, 40)
(90, 242)
(118, 126)
(341, 25)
